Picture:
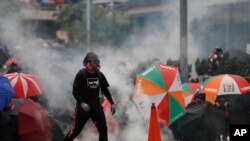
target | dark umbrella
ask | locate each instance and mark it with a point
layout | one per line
(238, 109)
(4, 119)
(6, 128)
(203, 122)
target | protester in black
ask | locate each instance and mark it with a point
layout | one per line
(87, 84)
(199, 98)
(14, 67)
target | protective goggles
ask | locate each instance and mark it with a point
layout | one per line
(94, 61)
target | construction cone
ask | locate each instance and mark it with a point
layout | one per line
(154, 128)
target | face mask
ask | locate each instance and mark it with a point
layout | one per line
(93, 65)
(199, 100)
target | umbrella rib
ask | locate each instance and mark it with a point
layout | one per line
(35, 84)
(14, 81)
(25, 86)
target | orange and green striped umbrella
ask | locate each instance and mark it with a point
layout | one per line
(189, 88)
(225, 84)
(155, 82)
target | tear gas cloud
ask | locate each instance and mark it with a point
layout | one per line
(56, 68)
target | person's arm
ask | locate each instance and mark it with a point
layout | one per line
(104, 87)
(78, 83)
(108, 95)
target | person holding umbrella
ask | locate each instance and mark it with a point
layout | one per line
(86, 87)
(14, 67)
(199, 98)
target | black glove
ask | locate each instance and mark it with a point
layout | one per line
(113, 109)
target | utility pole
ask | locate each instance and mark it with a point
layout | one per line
(183, 41)
(88, 20)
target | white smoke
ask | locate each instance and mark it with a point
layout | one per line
(56, 69)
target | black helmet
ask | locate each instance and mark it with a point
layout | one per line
(14, 64)
(89, 57)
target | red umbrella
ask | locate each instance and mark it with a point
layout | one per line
(34, 123)
(25, 85)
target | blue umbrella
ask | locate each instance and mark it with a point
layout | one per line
(6, 91)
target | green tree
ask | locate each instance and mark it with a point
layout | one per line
(171, 62)
(201, 67)
(70, 20)
(176, 63)
(226, 65)
(105, 29)
(231, 66)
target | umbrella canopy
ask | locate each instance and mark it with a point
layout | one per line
(189, 89)
(152, 86)
(34, 124)
(225, 84)
(203, 122)
(6, 133)
(175, 107)
(6, 91)
(25, 85)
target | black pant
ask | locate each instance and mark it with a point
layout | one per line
(80, 119)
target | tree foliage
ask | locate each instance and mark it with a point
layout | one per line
(201, 66)
(105, 29)
(226, 65)
(70, 20)
(232, 66)
(176, 63)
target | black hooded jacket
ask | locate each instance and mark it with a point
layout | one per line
(86, 88)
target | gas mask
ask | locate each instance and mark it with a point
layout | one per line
(94, 65)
